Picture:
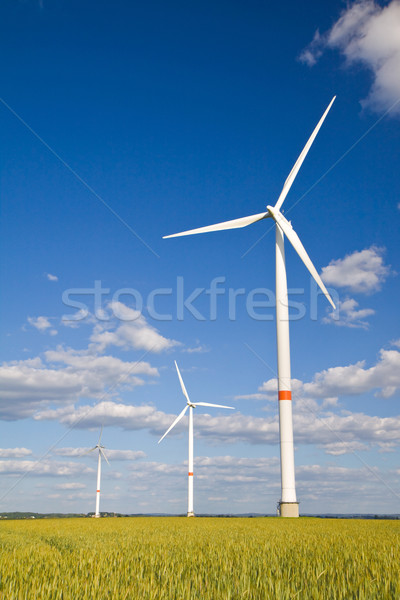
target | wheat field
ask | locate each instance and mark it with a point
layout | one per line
(205, 558)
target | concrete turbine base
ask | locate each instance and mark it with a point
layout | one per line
(289, 509)
(190, 514)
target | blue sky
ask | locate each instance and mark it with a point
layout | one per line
(123, 122)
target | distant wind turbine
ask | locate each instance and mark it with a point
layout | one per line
(190, 406)
(100, 448)
(289, 507)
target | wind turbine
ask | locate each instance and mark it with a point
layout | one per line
(289, 507)
(190, 406)
(100, 448)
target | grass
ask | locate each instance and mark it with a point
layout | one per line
(205, 558)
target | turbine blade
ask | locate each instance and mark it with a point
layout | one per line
(234, 224)
(292, 175)
(178, 418)
(182, 384)
(104, 456)
(88, 451)
(215, 405)
(301, 251)
(101, 433)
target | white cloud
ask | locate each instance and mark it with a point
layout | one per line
(106, 367)
(71, 452)
(269, 390)
(368, 34)
(339, 448)
(360, 272)
(14, 452)
(51, 277)
(41, 323)
(125, 454)
(70, 486)
(348, 315)
(24, 387)
(134, 332)
(338, 434)
(110, 453)
(199, 349)
(27, 385)
(45, 467)
(65, 375)
(81, 317)
(114, 413)
(217, 498)
(242, 484)
(256, 396)
(248, 484)
(355, 379)
(351, 380)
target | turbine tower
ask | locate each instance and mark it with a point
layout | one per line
(100, 448)
(289, 507)
(190, 406)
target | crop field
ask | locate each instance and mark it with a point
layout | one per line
(204, 558)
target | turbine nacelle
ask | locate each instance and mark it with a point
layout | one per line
(276, 214)
(98, 447)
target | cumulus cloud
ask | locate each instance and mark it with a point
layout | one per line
(117, 414)
(339, 448)
(14, 452)
(199, 349)
(268, 390)
(134, 332)
(360, 272)
(347, 314)
(366, 34)
(66, 376)
(106, 367)
(70, 486)
(352, 380)
(111, 454)
(81, 317)
(45, 467)
(247, 483)
(253, 484)
(324, 430)
(40, 323)
(355, 379)
(336, 433)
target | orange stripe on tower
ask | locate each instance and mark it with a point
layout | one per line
(285, 395)
(98, 491)
(190, 474)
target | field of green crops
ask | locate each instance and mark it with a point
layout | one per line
(204, 558)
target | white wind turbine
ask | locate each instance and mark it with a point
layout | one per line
(100, 448)
(288, 503)
(190, 406)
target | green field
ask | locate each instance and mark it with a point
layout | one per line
(205, 558)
